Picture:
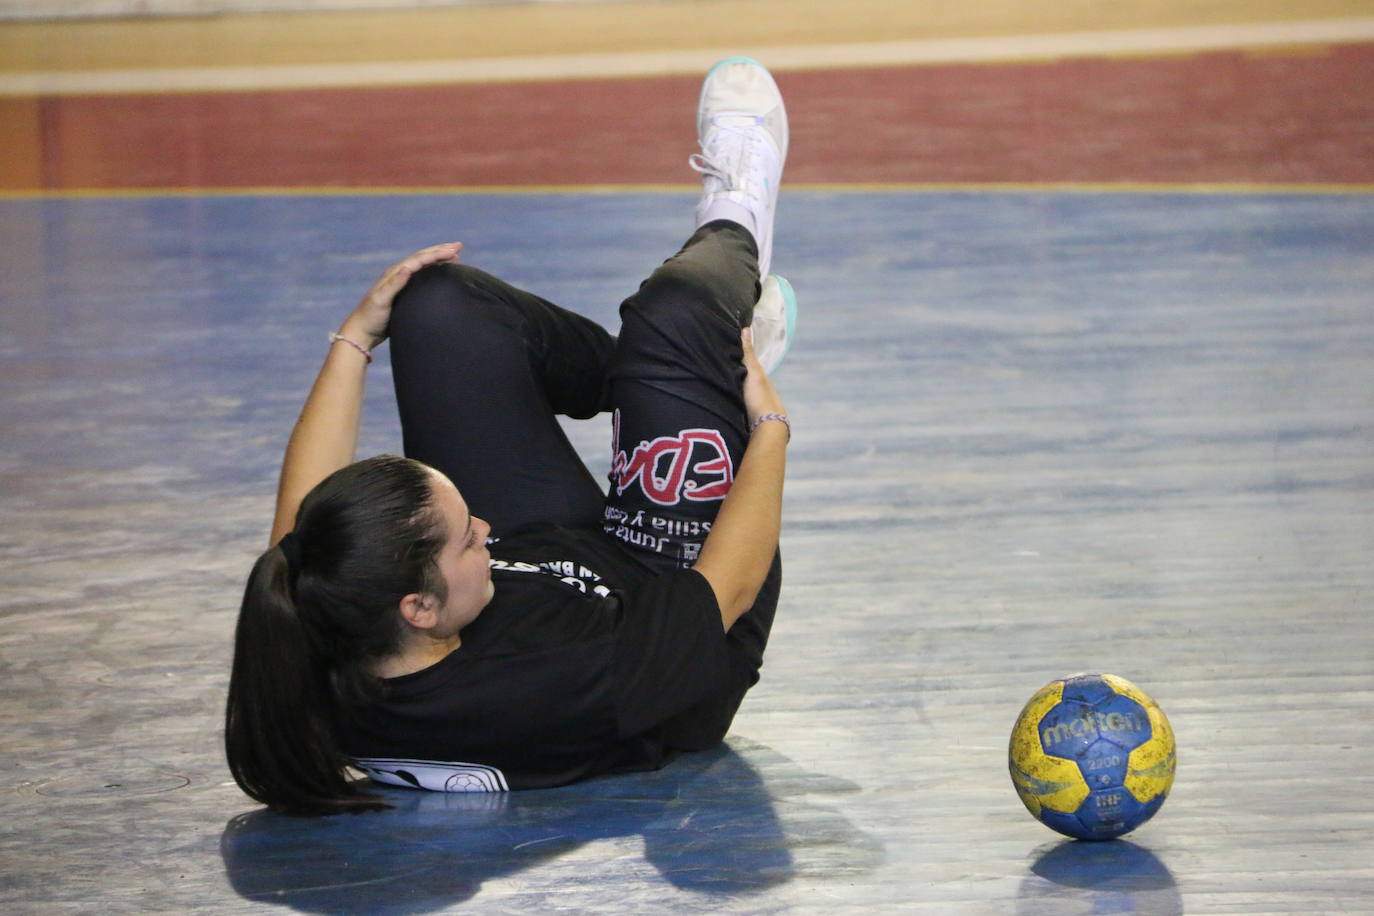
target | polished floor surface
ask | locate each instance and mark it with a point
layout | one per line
(1048, 418)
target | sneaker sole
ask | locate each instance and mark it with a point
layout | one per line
(789, 310)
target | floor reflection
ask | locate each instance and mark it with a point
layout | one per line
(710, 823)
(1113, 876)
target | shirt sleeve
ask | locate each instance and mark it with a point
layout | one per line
(670, 649)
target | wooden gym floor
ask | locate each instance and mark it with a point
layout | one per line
(1084, 380)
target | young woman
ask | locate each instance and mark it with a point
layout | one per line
(479, 615)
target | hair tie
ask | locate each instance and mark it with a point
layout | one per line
(290, 546)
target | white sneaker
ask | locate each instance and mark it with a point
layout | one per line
(775, 322)
(742, 129)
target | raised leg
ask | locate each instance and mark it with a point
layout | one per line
(481, 370)
(680, 432)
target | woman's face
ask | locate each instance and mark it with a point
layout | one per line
(462, 560)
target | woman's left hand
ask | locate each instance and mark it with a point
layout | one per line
(368, 322)
(760, 397)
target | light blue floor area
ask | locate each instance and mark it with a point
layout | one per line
(1034, 433)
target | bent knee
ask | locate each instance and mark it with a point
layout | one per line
(678, 288)
(438, 285)
(443, 296)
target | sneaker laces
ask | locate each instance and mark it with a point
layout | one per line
(735, 158)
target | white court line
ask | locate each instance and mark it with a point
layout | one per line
(660, 63)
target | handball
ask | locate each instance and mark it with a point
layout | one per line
(1092, 756)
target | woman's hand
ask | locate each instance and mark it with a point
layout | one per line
(368, 322)
(760, 397)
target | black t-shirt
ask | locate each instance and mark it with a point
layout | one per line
(568, 672)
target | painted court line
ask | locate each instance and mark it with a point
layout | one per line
(827, 188)
(664, 63)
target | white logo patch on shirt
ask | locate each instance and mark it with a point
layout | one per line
(435, 775)
(568, 572)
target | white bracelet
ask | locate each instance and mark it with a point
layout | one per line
(335, 338)
(765, 417)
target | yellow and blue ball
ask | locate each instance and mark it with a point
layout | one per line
(1092, 756)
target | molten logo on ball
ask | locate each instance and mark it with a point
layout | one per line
(1092, 756)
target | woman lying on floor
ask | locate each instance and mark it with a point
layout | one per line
(478, 615)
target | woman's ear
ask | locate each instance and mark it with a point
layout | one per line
(420, 611)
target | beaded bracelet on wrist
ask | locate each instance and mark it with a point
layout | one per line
(335, 338)
(765, 417)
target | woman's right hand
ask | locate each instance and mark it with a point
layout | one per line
(760, 397)
(368, 322)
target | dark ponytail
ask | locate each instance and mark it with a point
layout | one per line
(310, 629)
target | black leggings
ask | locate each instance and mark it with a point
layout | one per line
(482, 369)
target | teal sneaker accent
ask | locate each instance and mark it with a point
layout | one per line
(789, 309)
